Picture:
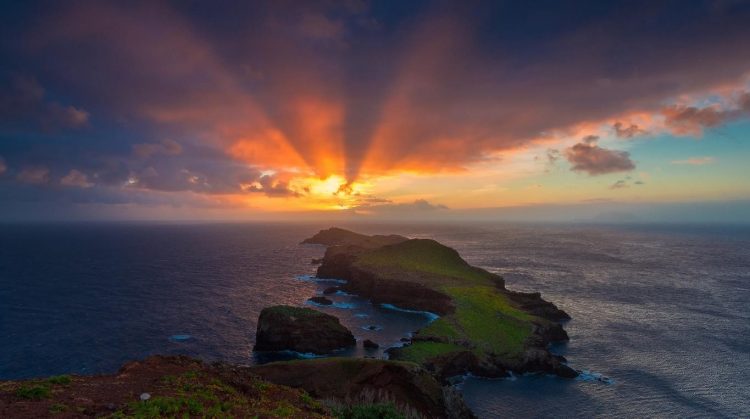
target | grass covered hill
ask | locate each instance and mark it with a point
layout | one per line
(483, 327)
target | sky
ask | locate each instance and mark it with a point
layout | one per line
(545, 110)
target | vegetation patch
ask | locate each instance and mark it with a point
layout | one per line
(59, 379)
(196, 395)
(484, 319)
(33, 391)
(487, 319)
(58, 408)
(422, 351)
(425, 256)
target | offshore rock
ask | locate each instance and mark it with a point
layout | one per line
(300, 329)
(320, 300)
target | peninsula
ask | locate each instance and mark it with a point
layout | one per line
(483, 327)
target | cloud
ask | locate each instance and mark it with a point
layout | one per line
(691, 120)
(167, 147)
(34, 175)
(419, 206)
(696, 161)
(24, 106)
(3, 166)
(218, 177)
(629, 131)
(270, 186)
(424, 205)
(588, 157)
(553, 156)
(626, 182)
(77, 179)
(318, 26)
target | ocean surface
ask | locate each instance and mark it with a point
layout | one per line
(661, 314)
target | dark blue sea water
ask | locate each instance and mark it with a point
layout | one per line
(664, 312)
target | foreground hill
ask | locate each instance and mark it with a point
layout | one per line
(176, 387)
(483, 327)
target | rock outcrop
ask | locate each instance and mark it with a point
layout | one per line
(301, 330)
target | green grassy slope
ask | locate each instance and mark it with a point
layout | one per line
(485, 321)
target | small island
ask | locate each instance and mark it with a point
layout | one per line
(299, 329)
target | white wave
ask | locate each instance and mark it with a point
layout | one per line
(343, 306)
(313, 278)
(587, 375)
(306, 355)
(430, 315)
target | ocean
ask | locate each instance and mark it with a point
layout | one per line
(661, 314)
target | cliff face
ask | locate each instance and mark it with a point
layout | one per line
(484, 328)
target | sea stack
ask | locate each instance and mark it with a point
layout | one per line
(301, 330)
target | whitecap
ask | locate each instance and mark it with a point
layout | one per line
(587, 375)
(344, 306)
(430, 315)
(313, 278)
(306, 355)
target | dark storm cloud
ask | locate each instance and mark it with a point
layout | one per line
(588, 157)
